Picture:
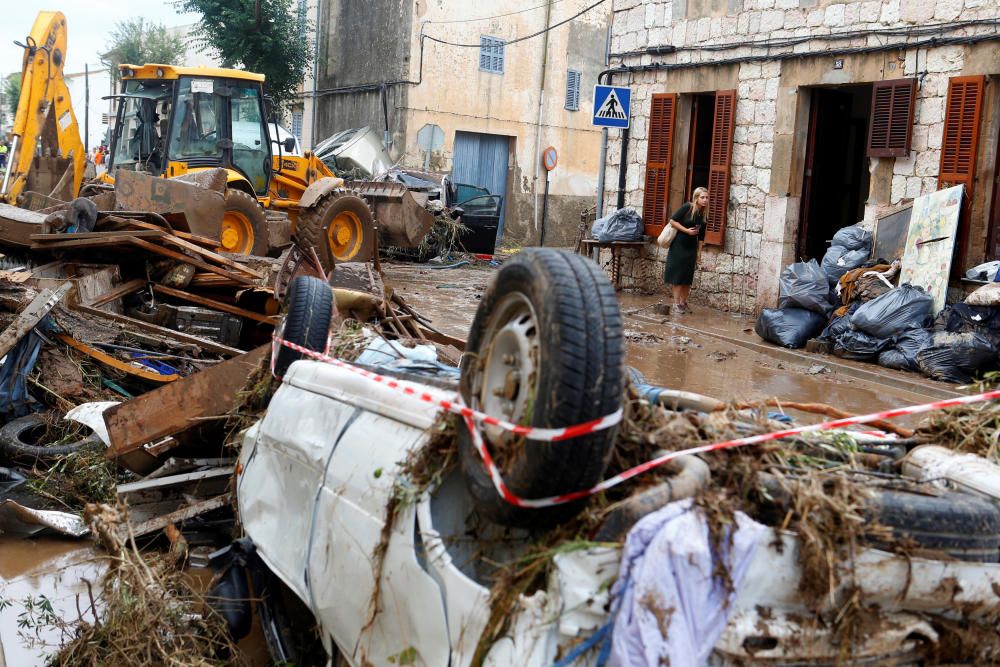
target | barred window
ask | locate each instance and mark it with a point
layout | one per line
(491, 54)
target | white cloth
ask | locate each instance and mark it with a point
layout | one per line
(671, 609)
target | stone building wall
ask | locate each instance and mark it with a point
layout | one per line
(771, 117)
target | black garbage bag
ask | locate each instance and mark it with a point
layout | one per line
(625, 224)
(853, 238)
(983, 320)
(789, 327)
(838, 260)
(903, 355)
(957, 357)
(901, 308)
(859, 346)
(804, 285)
(839, 325)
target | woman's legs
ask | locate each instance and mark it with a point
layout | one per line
(684, 291)
(678, 291)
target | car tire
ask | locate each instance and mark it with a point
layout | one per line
(244, 225)
(306, 322)
(966, 527)
(16, 442)
(548, 337)
(340, 226)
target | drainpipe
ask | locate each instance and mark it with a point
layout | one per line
(604, 130)
(623, 165)
(315, 78)
(541, 102)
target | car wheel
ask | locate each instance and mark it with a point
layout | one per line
(19, 440)
(546, 349)
(307, 321)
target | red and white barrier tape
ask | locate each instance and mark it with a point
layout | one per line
(472, 417)
(454, 404)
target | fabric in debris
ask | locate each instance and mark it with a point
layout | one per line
(904, 307)
(987, 295)
(671, 609)
(15, 401)
(906, 346)
(867, 283)
(853, 238)
(789, 327)
(957, 357)
(804, 285)
(625, 224)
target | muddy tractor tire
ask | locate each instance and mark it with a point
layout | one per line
(546, 349)
(18, 444)
(244, 225)
(340, 226)
(306, 322)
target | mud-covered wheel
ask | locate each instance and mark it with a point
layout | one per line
(244, 225)
(21, 440)
(307, 322)
(545, 348)
(341, 226)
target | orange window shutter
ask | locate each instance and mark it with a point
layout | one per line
(959, 144)
(660, 139)
(721, 158)
(892, 117)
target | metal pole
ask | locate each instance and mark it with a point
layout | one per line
(623, 166)
(600, 172)
(10, 157)
(545, 208)
(86, 108)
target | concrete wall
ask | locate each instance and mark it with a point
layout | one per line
(772, 114)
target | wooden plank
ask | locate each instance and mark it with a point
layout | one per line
(217, 305)
(122, 290)
(94, 235)
(32, 314)
(181, 515)
(215, 257)
(169, 334)
(180, 405)
(187, 236)
(166, 252)
(104, 241)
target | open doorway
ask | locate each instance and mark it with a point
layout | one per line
(699, 143)
(836, 180)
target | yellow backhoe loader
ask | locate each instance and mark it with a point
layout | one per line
(46, 153)
(173, 121)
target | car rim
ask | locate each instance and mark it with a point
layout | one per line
(236, 233)
(344, 235)
(508, 370)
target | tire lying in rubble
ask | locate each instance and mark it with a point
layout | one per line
(545, 348)
(244, 225)
(19, 441)
(966, 527)
(340, 226)
(307, 320)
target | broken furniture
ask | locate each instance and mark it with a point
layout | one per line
(587, 247)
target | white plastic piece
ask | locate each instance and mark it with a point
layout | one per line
(955, 470)
(91, 415)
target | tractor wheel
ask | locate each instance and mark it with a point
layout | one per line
(244, 225)
(341, 226)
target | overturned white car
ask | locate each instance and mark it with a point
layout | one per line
(343, 549)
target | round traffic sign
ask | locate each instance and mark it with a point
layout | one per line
(550, 158)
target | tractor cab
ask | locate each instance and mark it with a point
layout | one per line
(172, 120)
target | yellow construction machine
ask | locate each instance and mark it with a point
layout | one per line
(46, 153)
(173, 121)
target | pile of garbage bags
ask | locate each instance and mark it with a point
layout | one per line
(879, 322)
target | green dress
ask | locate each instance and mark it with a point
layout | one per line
(684, 250)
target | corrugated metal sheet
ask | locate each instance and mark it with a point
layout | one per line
(481, 159)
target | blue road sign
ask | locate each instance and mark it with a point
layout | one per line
(611, 106)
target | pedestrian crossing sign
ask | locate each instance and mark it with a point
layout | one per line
(611, 106)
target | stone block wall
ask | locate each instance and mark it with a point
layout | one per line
(765, 179)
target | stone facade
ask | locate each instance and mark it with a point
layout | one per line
(772, 114)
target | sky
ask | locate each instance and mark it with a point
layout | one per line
(88, 24)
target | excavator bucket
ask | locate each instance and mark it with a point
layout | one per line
(402, 221)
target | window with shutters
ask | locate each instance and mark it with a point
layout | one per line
(491, 54)
(892, 118)
(959, 145)
(573, 79)
(723, 125)
(660, 139)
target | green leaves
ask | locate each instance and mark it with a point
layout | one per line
(137, 42)
(264, 36)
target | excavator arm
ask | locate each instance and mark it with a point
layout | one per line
(46, 151)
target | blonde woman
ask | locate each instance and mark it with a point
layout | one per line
(689, 220)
